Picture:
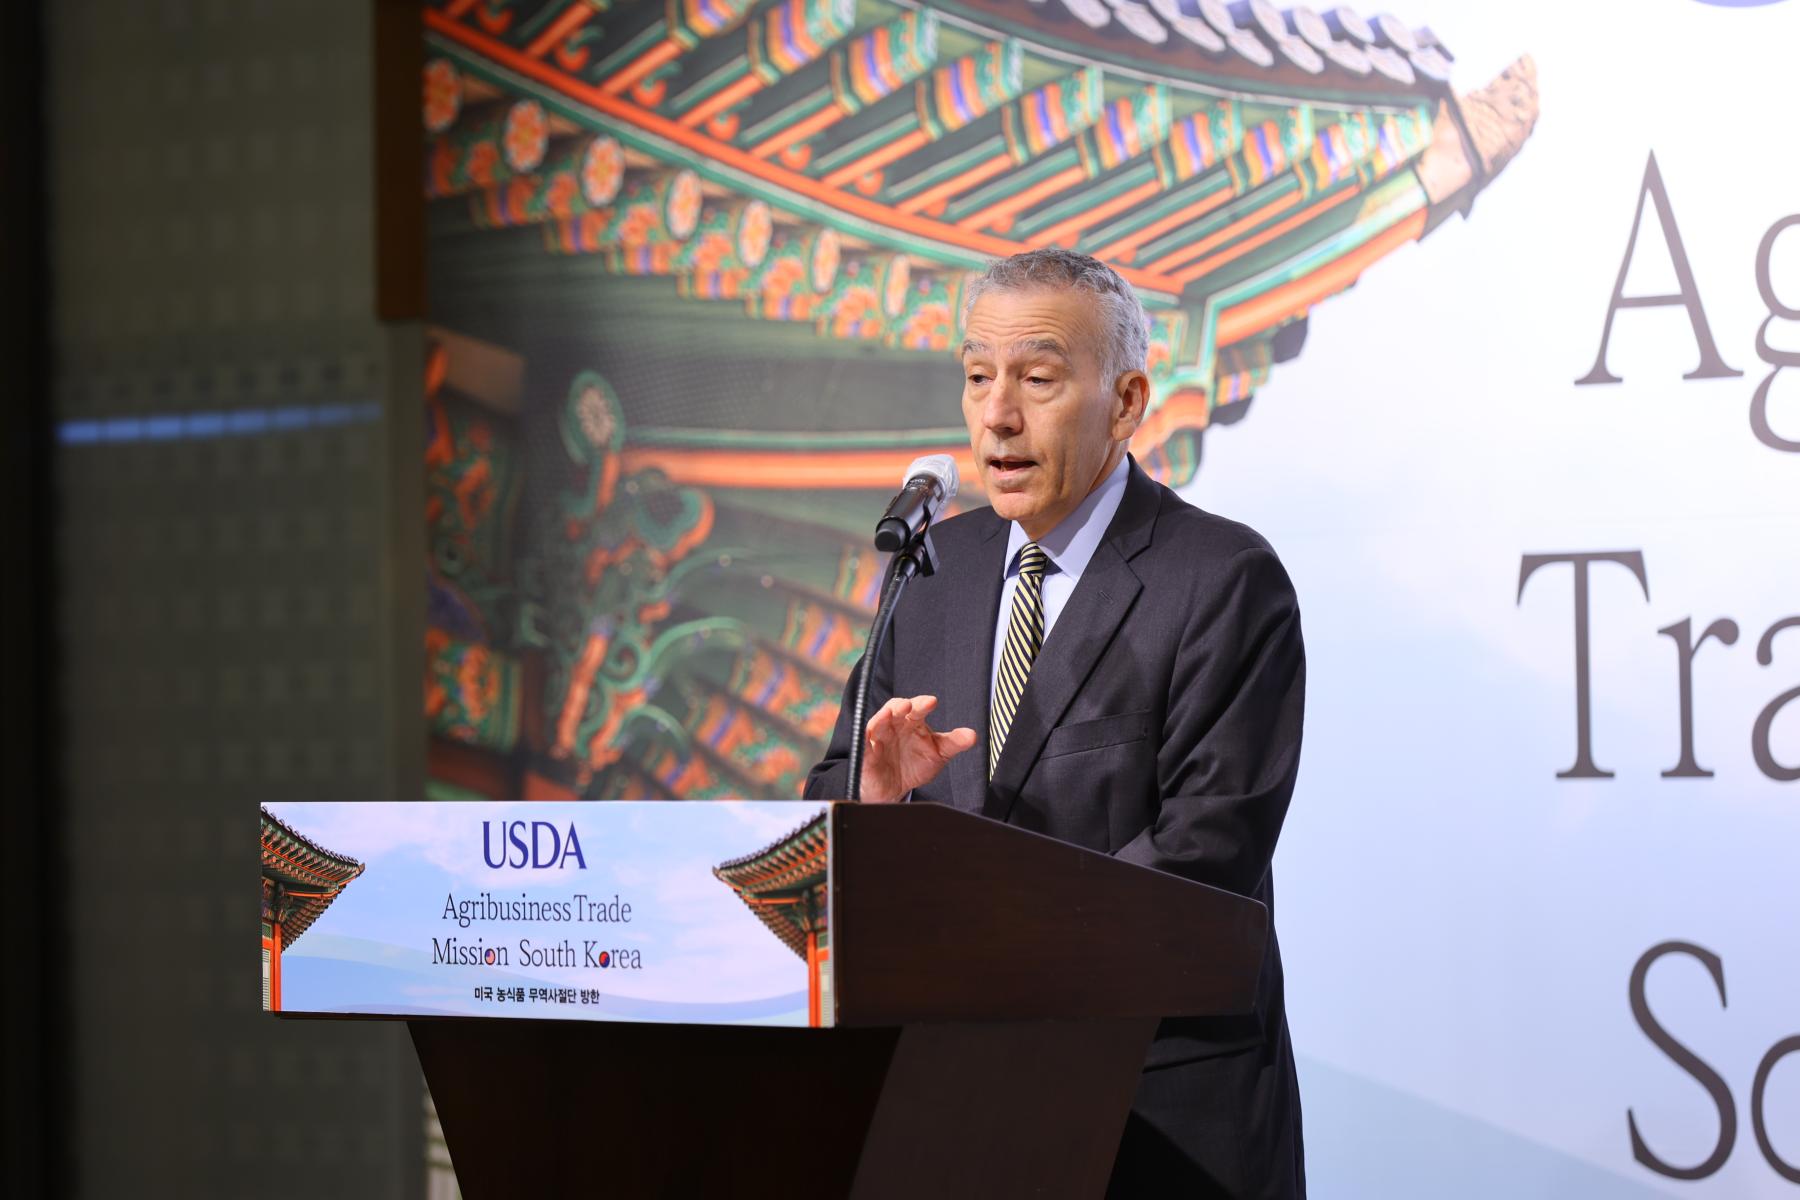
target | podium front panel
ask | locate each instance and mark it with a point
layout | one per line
(705, 912)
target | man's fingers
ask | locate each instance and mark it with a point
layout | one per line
(885, 717)
(912, 712)
(956, 741)
(898, 712)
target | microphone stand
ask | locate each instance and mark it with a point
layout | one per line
(917, 557)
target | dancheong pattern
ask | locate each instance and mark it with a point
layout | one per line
(650, 582)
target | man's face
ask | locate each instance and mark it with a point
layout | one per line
(1045, 424)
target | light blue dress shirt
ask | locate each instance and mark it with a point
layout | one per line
(1069, 547)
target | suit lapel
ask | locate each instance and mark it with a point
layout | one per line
(1087, 623)
(968, 667)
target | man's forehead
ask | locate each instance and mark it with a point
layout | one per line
(1039, 320)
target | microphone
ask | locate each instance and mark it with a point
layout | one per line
(930, 484)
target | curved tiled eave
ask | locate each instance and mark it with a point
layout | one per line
(801, 843)
(308, 876)
(1142, 38)
(960, 241)
(1232, 198)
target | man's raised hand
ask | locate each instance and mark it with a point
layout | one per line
(903, 752)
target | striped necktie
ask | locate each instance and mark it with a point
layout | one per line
(1024, 635)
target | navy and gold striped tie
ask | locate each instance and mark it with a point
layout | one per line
(1024, 635)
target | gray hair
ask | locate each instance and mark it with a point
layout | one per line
(1124, 325)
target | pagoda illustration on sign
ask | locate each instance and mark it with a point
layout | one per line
(696, 270)
(300, 879)
(784, 884)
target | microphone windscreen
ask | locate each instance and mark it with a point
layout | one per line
(940, 467)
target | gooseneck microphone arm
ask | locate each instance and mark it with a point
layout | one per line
(904, 530)
(901, 568)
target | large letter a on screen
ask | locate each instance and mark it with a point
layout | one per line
(1711, 365)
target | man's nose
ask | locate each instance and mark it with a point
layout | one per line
(1000, 411)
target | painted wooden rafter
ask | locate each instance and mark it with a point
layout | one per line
(910, 170)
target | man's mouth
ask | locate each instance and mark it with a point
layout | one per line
(1006, 468)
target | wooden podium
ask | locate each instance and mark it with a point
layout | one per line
(995, 992)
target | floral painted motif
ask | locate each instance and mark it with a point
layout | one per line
(602, 170)
(479, 166)
(896, 277)
(681, 211)
(827, 254)
(526, 136)
(443, 95)
(756, 228)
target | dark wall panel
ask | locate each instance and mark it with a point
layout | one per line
(226, 409)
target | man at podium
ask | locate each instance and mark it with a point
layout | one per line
(1097, 660)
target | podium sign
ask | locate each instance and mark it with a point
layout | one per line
(701, 913)
(990, 991)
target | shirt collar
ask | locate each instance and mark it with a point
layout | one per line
(1071, 545)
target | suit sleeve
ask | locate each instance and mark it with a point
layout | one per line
(829, 778)
(1230, 746)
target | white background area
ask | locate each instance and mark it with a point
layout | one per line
(1458, 923)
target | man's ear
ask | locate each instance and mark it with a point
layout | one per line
(1131, 399)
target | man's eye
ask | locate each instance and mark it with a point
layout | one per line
(1037, 379)
(977, 377)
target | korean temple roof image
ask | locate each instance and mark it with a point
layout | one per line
(835, 168)
(696, 268)
(783, 883)
(308, 876)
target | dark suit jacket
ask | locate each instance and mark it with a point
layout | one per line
(1160, 723)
